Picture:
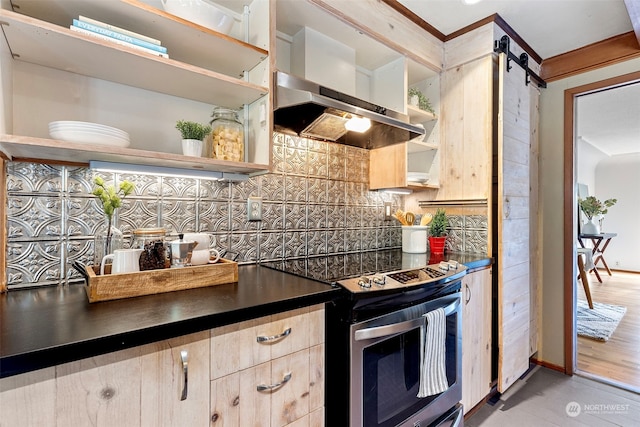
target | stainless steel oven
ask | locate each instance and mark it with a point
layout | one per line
(374, 337)
(386, 358)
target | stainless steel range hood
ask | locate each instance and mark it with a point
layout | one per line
(312, 110)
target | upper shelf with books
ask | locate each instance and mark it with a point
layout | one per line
(185, 41)
(53, 46)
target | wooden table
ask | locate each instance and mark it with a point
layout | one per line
(600, 243)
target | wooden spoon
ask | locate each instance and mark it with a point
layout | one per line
(410, 218)
(426, 219)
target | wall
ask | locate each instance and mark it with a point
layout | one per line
(551, 346)
(587, 158)
(618, 177)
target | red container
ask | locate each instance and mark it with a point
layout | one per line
(436, 244)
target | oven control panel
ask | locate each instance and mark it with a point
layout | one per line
(403, 278)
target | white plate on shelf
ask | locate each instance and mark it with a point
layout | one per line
(88, 133)
(89, 127)
(420, 177)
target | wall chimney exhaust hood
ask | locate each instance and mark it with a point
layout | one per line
(312, 110)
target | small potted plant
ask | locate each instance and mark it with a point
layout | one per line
(417, 99)
(193, 135)
(592, 208)
(438, 231)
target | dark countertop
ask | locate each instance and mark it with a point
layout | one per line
(48, 326)
(53, 325)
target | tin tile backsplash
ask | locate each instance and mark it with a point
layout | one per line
(315, 202)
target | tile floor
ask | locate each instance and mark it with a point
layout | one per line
(549, 398)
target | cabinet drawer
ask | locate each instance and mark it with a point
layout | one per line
(243, 345)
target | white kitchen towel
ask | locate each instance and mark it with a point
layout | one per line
(433, 374)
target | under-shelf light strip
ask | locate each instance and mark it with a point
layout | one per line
(164, 171)
(456, 202)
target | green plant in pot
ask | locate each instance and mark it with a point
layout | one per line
(421, 101)
(438, 231)
(193, 134)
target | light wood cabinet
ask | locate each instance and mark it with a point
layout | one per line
(269, 371)
(145, 385)
(205, 69)
(490, 123)
(476, 338)
(29, 399)
(141, 386)
(166, 400)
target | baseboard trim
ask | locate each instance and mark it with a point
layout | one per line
(548, 365)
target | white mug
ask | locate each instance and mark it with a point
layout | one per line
(124, 261)
(204, 256)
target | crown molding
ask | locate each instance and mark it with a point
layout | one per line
(596, 55)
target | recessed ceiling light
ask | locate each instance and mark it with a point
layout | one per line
(470, 1)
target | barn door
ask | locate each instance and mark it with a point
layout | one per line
(513, 139)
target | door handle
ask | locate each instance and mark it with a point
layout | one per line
(263, 338)
(507, 207)
(185, 371)
(396, 328)
(264, 387)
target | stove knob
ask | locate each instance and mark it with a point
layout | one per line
(453, 265)
(379, 280)
(444, 266)
(364, 282)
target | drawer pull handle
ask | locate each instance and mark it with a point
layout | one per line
(185, 371)
(274, 337)
(264, 387)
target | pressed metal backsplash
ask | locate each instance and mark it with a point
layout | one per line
(316, 201)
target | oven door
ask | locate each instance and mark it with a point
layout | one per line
(386, 355)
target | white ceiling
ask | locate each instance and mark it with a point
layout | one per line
(550, 27)
(610, 120)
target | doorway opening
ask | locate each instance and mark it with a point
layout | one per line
(613, 361)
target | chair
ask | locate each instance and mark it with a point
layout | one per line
(585, 263)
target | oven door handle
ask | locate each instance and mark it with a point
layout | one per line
(396, 328)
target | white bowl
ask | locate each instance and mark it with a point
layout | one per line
(418, 138)
(201, 12)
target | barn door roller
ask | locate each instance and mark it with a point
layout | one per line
(502, 45)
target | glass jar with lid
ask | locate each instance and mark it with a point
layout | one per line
(226, 140)
(152, 241)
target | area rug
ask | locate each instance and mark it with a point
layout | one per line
(600, 322)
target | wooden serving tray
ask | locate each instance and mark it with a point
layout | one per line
(127, 285)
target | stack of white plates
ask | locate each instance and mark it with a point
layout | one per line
(88, 133)
(419, 177)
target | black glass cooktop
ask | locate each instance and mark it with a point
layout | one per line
(332, 268)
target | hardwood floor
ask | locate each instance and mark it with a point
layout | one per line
(616, 359)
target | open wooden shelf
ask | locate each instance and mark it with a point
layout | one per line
(418, 147)
(50, 45)
(417, 115)
(185, 41)
(416, 186)
(24, 148)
